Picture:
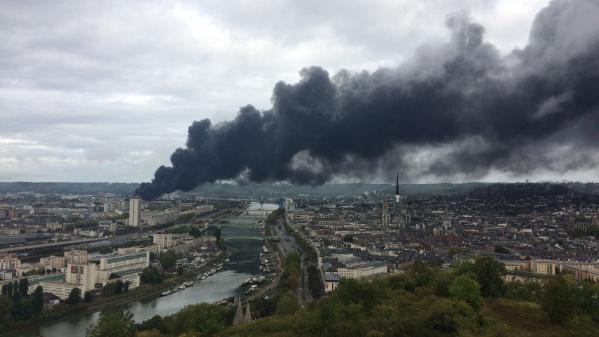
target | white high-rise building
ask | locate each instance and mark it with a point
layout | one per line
(135, 212)
(83, 275)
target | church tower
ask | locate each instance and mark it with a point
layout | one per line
(239, 317)
(385, 216)
(399, 212)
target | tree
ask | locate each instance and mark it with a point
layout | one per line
(15, 290)
(195, 232)
(113, 323)
(22, 309)
(154, 323)
(87, 297)
(168, 260)
(23, 287)
(151, 275)
(466, 289)
(286, 304)
(203, 318)
(488, 274)
(119, 287)
(6, 305)
(37, 300)
(74, 296)
(314, 282)
(558, 299)
(9, 289)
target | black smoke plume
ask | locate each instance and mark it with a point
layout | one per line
(458, 109)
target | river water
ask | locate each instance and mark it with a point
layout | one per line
(244, 245)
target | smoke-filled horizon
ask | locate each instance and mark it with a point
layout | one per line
(456, 109)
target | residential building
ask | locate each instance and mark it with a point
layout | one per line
(545, 267)
(53, 262)
(76, 256)
(362, 270)
(163, 241)
(127, 266)
(83, 275)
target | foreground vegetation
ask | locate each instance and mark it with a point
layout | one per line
(468, 300)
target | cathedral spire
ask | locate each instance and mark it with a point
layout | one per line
(397, 187)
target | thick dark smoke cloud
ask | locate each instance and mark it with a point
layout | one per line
(459, 108)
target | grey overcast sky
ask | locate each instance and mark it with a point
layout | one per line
(105, 90)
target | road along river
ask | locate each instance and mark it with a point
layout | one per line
(244, 246)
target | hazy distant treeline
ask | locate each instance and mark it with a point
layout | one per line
(254, 190)
(67, 188)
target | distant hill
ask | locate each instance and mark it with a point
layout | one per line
(251, 190)
(269, 190)
(67, 188)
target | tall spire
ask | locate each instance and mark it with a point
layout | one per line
(247, 318)
(238, 318)
(397, 188)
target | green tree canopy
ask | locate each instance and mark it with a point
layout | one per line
(23, 287)
(113, 323)
(488, 273)
(195, 232)
(558, 299)
(168, 260)
(151, 275)
(466, 289)
(74, 296)
(37, 300)
(286, 304)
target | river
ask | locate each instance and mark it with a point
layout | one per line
(244, 246)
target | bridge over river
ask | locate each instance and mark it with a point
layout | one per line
(244, 245)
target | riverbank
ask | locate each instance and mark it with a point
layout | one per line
(144, 292)
(242, 261)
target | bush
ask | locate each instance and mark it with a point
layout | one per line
(466, 289)
(74, 296)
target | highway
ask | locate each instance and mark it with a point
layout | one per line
(287, 245)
